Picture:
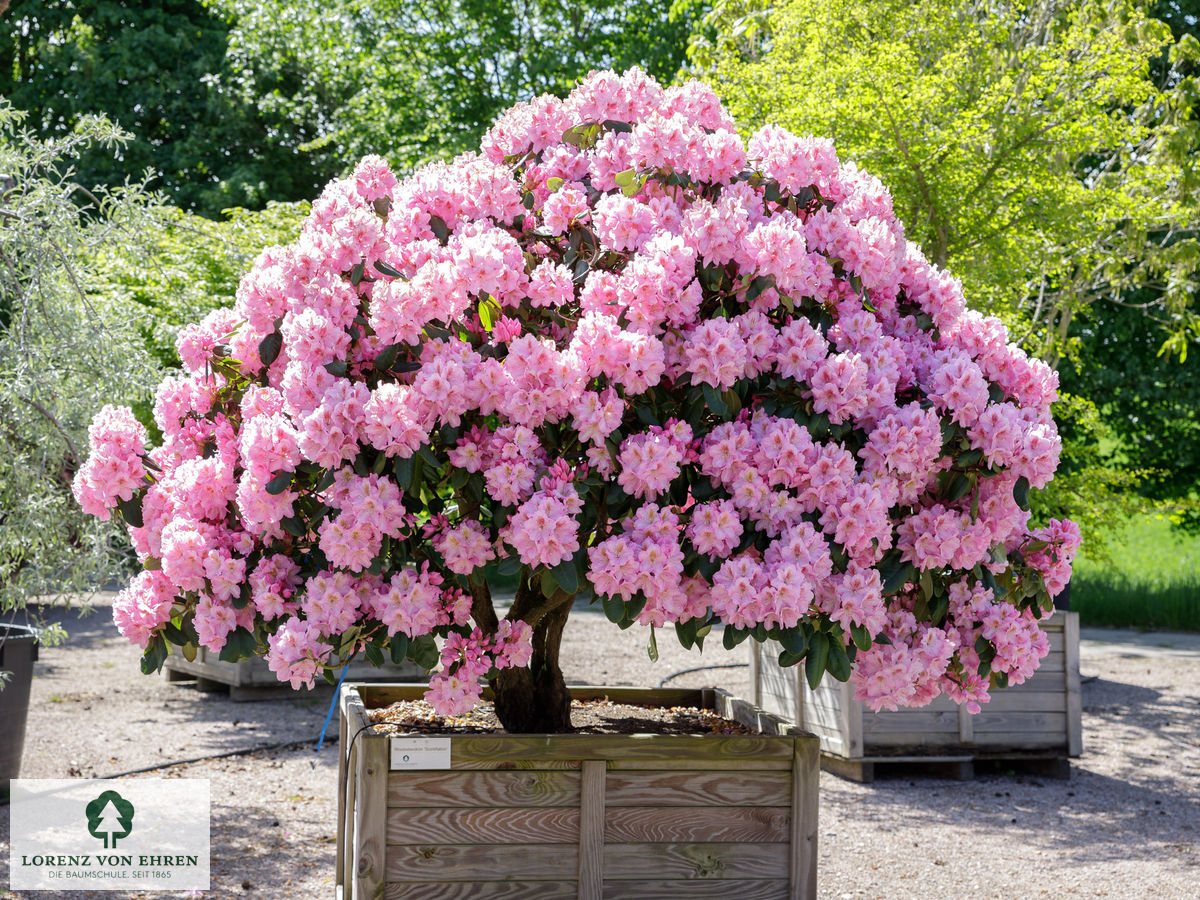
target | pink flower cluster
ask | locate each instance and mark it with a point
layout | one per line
(711, 376)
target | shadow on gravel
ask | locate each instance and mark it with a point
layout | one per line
(1130, 809)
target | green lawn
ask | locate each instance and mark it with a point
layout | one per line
(1153, 581)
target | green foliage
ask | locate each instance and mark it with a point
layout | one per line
(161, 72)
(65, 351)
(1154, 582)
(182, 266)
(415, 80)
(1148, 401)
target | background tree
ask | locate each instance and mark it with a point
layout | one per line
(64, 349)
(422, 79)
(234, 102)
(159, 70)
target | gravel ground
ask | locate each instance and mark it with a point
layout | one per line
(1126, 824)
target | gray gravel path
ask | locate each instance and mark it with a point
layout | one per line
(1126, 824)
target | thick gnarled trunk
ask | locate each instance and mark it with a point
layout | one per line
(534, 699)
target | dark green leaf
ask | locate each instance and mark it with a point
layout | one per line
(567, 576)
(398, 647)
(280, 483)
(294, 526)
(838, 663)
(733, 636)
(969, 458)
(374, 655)
(861, 637)
(1021, 492)
(387, 357)
(269, 347)
(385, 269)
(155, 655)
(239, 644)
(440, 230)
(794, 640)
(818, 657)
(405, 469)
(509, 566)
(423, 651)
(337, 367)
(131, 510)
(714, 401)
(614, 608)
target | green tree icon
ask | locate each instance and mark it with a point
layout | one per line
(110, 817)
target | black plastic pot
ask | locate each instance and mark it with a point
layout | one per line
(18, 652)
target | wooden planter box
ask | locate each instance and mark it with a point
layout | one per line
(250, 679)
(1037, 720)
(577, 815)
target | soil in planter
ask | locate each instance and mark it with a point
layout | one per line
(588, 717)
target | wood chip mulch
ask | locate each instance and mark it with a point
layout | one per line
(588, 717)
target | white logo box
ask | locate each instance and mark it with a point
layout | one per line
(108, 835)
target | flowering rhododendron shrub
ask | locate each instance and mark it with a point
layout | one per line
(626, 355)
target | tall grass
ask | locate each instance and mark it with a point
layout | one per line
(1153, 581)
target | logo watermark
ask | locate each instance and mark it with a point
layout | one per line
(150, 834)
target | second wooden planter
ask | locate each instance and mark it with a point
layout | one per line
(1039, 721)
(577, 815)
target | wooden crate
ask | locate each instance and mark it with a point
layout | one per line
(250, 679)
(577, 815)
(1037, 720)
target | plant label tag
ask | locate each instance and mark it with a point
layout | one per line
(420, 753)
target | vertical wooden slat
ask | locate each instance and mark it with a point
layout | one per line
(852, 720)
(799, 686)
(370, 816)
(341, 800)
(1074, 697)
(591, 830)
(803, 861)
(966, 725)
(756, 671)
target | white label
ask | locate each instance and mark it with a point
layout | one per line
(421, 753)
(137, 833)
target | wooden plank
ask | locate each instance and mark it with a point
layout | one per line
(938, 724)
(481, 890)
(696, 788)
(515, 765)
(1047, 723)
(1020, 699)
(591, 831)
(370, 815)
(802, 858)
(440, 790)
(465, 862)
(750, 715)
(724, 862)
(339, 868)
(502, 825)
(696, 889)
(715, 824)
(690, 765)
(505, 748)
(1074, 693)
